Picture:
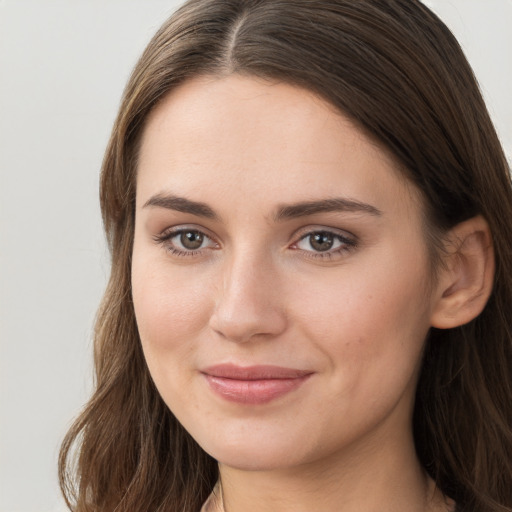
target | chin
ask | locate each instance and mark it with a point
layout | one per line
(255, 455)
(254, 460)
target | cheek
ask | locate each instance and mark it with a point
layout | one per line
(368, 318)
(171, 309)
(370, 332)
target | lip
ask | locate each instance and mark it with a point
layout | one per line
(253, 385)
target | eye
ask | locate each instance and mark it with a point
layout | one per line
(323, 243)
(185, 241)
(191, 240)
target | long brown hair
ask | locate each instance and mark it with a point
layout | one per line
(397, 71)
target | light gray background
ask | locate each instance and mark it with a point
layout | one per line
(63, 65)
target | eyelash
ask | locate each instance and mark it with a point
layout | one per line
(347, 243)
(165, 238)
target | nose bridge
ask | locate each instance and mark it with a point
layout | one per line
(242, 273)
(248, 302)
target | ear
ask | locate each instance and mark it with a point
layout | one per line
(465, 281)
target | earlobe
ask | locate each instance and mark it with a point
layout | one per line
(466, 280)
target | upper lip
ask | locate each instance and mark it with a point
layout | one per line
(259, 372)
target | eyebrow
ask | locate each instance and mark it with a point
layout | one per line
(304, 209)
(181, 204)
(284, 212)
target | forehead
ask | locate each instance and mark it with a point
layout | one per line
(225, 137)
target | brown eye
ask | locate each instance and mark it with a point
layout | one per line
(321, 241)
(191, 239)
(325, 244)
(183, 242)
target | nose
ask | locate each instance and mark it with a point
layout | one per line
(249, 304)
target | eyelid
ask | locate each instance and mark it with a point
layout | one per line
(171, 231)
(309, 230)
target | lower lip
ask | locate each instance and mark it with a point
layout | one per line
(252, 392)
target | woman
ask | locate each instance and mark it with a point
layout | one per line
(308, 213)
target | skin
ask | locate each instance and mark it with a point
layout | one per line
(257, 292)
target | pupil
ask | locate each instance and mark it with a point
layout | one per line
(191, 239)
(321, 241)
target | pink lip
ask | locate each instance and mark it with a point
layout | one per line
(254, 384)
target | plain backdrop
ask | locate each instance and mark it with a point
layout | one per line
(63, 66)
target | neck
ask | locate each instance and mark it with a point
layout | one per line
(382, 478)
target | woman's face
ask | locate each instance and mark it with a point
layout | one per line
(280, 275)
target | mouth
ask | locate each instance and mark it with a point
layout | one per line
(254, 384)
